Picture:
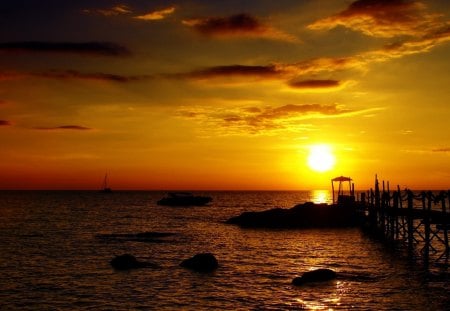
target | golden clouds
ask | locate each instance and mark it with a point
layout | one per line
(266, 120)
(382, 18)
(156, 15)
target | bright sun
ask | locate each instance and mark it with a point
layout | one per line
(320, 158)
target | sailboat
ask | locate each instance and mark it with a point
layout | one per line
(106, 188)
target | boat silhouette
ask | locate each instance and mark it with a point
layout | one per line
(105, 187)
(184, 199)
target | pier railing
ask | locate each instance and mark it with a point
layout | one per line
(416, 222)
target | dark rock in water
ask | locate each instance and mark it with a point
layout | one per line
(307, 215)
(319, 275)
(127, 261)
(204, 262)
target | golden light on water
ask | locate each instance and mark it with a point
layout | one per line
(320, 196)
(321, 158)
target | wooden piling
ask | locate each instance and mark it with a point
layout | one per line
(410, 223)
(426, 196)
(444, 222)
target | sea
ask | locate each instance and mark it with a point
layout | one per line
(56, 248)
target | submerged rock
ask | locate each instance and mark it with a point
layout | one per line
(127, 261)
(318, 275)
(203, 262)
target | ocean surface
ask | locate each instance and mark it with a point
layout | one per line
(56, 247)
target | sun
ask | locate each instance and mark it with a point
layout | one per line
(321, 158)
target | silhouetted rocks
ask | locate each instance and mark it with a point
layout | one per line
(307, 215)
(203, 262)
(318, 275)
(127, 262)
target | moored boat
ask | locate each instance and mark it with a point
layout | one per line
(184, 199)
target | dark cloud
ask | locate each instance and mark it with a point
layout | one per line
(240, 23)
(234, 70)
(442, 150)
(5, 123)
(83, 48)
(383, 18)
(314, 84)
(73, 74)
(237, 25)
(65, 127)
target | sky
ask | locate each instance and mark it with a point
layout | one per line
(223, 95)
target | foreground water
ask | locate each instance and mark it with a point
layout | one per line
(51, 257)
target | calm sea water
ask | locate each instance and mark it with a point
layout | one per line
(51, 257)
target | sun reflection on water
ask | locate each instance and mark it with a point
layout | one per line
(320, 196)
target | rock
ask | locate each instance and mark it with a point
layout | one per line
(318, 275)
(306, 215)
(203, 262)
(127, 261)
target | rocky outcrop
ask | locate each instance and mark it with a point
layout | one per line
(307, 215)
(318, 275)
(203, 262)
(127, 262)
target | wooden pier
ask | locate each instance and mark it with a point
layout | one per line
(417, 223)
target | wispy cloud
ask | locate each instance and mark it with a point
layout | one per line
(442, 150)
(118, 9)
(64, 127)
(239, 25)
(83, 48)
(315, 84)
(157, 15)
(266, 120)
(5, 123)
(99, 76)
(383, 18)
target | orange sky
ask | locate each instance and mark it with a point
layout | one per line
(223, 94)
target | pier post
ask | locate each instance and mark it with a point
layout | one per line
(427, 198)
(444, 221)
(395, 212)
(410, 223)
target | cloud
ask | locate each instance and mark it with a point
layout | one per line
(72, 74)
(267, 71)
(382, 18)
(5, 123)
(239, 25)
(442, 150)
(156, 15)
(65, 127)
(315, 84)
(266, 120)
(119, 9)
(83, 48)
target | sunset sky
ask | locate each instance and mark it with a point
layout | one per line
(212, 95)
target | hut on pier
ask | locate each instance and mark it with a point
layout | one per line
(343, 196)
